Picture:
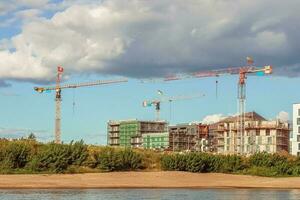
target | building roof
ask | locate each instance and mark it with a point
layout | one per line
(135, 120)
(249, 116)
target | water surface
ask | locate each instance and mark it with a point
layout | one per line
(149, 194)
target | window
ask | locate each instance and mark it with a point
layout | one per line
(228, 141)
(298, 146)
(268, 148)
(267, 132)
(259, 140)
(298, 138)
(257, 133)
(298, 112)
(192, 130)
(298, 153)
(269, 140)
(249, 140)
(298, 121)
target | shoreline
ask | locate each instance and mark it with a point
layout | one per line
(146, 180)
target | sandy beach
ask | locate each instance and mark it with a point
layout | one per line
(146, 180)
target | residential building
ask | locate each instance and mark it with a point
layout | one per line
(192, 137)
(295, 136)
(259, 135)
(128, 133)
(156, 140)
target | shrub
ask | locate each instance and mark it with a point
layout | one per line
(15, 154)
(110, 159)
(232, 163)
(57, 157)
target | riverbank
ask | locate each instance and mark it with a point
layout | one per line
(145, 180)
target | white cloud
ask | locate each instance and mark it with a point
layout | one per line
(283, 116)
(8, 6)
(211, 119)
(28, 14)
(150, 38)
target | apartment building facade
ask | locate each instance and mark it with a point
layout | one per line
(156, 141)
(129, 133)
(295, 136)
(259, 135)
(190, 137)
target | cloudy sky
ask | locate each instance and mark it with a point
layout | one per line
(103, 39)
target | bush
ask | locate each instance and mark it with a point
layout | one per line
(29, 156)
(202, 162)
(110, 159)
(231, 163)
(15, 154)
(276, 164)
(58, 157)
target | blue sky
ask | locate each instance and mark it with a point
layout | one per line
(109, 39)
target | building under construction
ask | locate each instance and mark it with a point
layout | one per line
(156, 141)
(259, 135)
(191, 137)
(129, 133)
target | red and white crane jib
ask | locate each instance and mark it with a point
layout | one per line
(215, 73)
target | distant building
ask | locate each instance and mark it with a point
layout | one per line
(295, 136)
(260, 135)
(156, 140)
(129, 133)
(192, 137)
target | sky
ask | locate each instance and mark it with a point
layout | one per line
(142, 39)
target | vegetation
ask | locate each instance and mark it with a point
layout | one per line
(30, 156)
(260, 164)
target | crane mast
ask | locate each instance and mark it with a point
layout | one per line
(242, 72)
(58, 88)
(58, 106)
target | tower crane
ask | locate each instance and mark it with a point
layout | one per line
(157, 102)
(242, 72)
(58, 88)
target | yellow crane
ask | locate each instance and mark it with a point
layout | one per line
(58, 88)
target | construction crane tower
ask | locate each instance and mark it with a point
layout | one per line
(242, 72)
(157, 102)
(58, 88)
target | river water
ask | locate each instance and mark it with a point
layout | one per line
(150, 194)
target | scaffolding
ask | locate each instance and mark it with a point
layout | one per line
(129, 132)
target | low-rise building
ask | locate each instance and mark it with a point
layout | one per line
(191, 137)
(259, 135)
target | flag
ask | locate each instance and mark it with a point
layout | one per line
(60, 69)
(160, 92)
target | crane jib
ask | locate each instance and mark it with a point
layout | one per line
(70, 86)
